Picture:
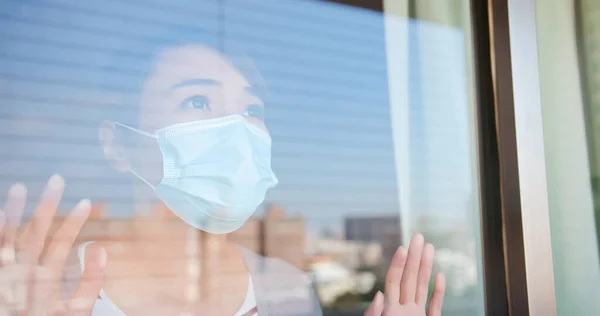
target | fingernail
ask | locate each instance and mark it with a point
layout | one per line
(17, 190)
(56, 183)
(399, 255)
(418, 238)
(82, 207)
(102, 258)
(441, 277)
(379, 298)
(429, 247)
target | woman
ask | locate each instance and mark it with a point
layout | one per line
(202, 148)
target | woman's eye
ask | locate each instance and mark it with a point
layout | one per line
(196, 102)
(255, 111)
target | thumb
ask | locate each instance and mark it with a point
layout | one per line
(90, 285)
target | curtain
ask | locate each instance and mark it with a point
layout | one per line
(568, 163)
(588, 35)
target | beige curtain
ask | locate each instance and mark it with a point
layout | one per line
(568, 163)
(588, 31)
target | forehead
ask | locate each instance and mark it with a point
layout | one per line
(186, 62)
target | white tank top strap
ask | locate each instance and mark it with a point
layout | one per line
(81, 254)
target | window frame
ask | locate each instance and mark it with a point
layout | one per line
(518, 270)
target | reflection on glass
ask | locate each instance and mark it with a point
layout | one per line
(367, 115)
(432, 111)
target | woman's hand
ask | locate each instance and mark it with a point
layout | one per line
(30, 283)
(407, 284)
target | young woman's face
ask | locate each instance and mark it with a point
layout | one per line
(190, 83)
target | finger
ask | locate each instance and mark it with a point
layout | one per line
(394, 276)
(37, 228)
(14, 207)
(62, 241)
(376, 307)
(408, 286)
(90, 285)
(437, 299)
(424, 274)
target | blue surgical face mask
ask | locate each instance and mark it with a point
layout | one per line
(216, 172)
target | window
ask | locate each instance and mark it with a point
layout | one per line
(210, 136)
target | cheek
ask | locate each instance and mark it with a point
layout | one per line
(148, 161)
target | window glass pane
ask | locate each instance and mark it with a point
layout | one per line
(247, 153)
(568, 63)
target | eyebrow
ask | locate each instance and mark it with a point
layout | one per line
(195, 82)
(252, 90)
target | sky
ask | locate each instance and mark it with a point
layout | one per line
(326, 71)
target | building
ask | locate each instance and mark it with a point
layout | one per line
(351, 254)
(383, 230)
(275, 235)
(283, 236)
(369, 229)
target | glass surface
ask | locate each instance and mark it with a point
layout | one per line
(568, 64)
(170, 116)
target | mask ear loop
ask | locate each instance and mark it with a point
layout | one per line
(151, 135)
(141, 178)
(144, 134)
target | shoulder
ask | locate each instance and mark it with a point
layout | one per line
(102, 308)
(274, 272)
(283, 286)
(292, 290)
